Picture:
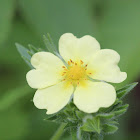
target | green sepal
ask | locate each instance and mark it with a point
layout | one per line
(49, 44)
(92, 125)
(125, 90)
(24, 52)
(33, 49)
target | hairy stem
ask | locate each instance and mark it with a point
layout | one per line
(59, 132)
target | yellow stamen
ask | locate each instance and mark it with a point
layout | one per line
(81, 61)
(68, 62)
(63, 67)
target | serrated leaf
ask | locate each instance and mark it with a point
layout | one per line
(120, 110)
(24, 52)
(109, 128)
(125, 90)
(92, 125)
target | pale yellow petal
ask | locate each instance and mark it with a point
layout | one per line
(48, 70)
(104, 66)
(46, 60)
(53, 98)
(95, 95)
(42, 78)
(71, 47)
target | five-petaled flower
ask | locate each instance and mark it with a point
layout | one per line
(57, 83)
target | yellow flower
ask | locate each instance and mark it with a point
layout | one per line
(57, 83)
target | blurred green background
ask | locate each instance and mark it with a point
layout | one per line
(114, 23)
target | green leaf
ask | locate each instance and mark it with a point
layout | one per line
(92, 125)
(106, 115)
(125, 90)
(24, 52)
(120, 110)
(80, 114)
(109, 128)
(118, 102)
(113, 122)
(122, 107)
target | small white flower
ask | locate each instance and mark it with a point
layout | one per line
(56, 83)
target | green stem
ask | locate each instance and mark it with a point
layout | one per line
(59, 132)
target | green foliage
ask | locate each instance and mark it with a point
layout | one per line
(25, 54)
(109, 128)
(12, 96)
(92, 125)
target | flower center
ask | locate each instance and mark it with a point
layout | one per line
(75, 72)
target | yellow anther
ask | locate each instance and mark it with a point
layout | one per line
(81, 61)
(68, 62)
(63, 67)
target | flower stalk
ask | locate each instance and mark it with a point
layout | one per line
(59, 132)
